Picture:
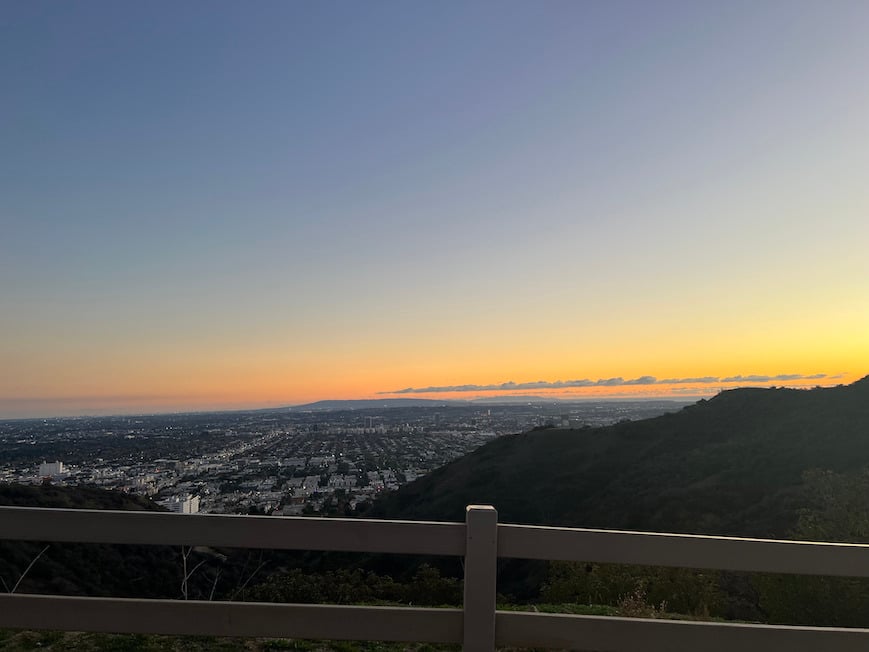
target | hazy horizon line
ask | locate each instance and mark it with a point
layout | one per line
(101, 406)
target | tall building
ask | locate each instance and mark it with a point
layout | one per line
(181, 504)
(51, 469)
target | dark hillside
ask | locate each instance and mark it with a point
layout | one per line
(98, 569)
(21, 495)
(729, 465)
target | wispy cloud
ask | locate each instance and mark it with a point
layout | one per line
(511, 386)
(768, 379)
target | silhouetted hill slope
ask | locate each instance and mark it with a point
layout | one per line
(21, 495)
(729, 465)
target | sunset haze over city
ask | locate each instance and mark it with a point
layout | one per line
(241, 205)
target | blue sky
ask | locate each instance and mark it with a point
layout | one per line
(190, 190)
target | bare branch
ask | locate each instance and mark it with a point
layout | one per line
(184, 576)
(250, 577)
(214, 585)
(185, 554)
(29, 566)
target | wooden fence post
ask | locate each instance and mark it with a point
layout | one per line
(481, 557)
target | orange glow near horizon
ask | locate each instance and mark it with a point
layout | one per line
(273, 394)
(574, 208)
(211, 369)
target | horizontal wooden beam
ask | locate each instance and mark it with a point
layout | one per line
(631, 634)
(684, 550)
(181, 618)
(267, 532)
(424, 625)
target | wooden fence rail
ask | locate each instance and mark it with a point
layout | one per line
(480, 540)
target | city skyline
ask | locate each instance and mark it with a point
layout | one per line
(219, 206)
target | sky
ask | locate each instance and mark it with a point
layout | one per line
(219, 205)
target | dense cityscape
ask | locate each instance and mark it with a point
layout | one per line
(284, 462)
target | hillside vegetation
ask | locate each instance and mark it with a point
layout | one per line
(750, 462)
(780, 463)
(730, 465)
(135, 571)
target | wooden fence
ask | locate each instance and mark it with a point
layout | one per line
(480, 540)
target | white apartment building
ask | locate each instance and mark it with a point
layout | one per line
(181, 504)
(51, 469)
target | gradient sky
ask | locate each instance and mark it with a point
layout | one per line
(219, 205)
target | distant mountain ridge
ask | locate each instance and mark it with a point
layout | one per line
(369, 404)
(386, 403)
(732, 464)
